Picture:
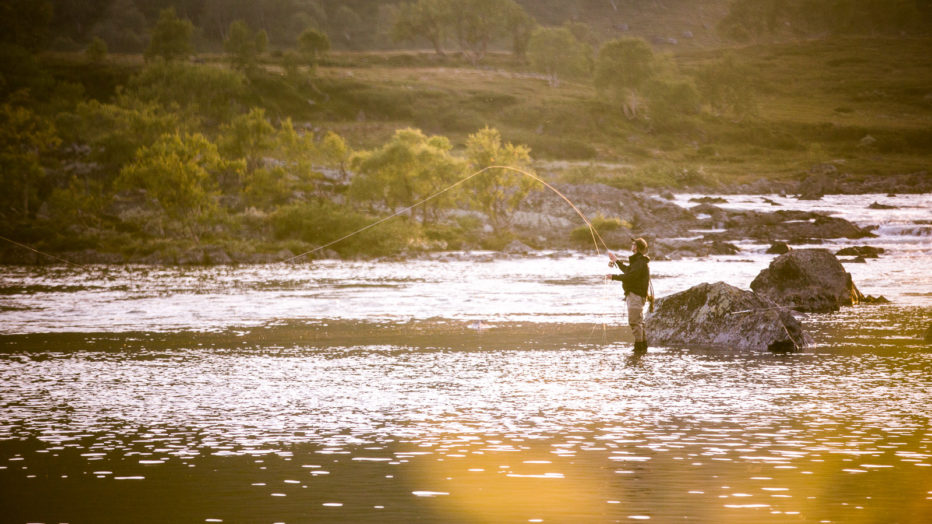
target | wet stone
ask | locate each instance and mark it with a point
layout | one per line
(724, 316)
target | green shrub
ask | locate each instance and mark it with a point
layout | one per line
(210, 91)
(321, 222)
(465, 232)
(602, 226)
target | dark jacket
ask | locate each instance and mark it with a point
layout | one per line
(635, 275)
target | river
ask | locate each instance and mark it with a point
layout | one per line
(460, 388)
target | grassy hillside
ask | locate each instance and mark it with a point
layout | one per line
(666, 23)
(860, 103)
(256, 184)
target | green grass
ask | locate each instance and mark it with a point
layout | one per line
(816, 101)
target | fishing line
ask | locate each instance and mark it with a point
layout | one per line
(43, 253)
(592, 230)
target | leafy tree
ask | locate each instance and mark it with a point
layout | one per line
(291, 64)
(25, 141)
(622, 68)
(521, 25)
(556, 52)
(312, 44)
(429, 19)
(247, 136)
(171, 37)
(407, 169)
(25, 23)
(114, 131)
(201, 91)
(180, 172)
(74, 19)
(335, 152)
(96, 51)
(78, 202)
(243, 45)
(20, 71)
(280, 164)
(476, 23)
(587, 37)
(497, 192)
(251, 138)
(123, 26)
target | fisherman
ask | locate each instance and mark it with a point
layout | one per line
(635, 280)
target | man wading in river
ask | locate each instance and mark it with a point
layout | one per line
(635, 279)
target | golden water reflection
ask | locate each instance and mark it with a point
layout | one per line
(190, 428)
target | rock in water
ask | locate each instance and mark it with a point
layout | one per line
(807, 280)
(778, 248)
(721, 315)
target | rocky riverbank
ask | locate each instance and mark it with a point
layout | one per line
(545, 221)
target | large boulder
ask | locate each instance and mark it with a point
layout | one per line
(721, 315)
(807, 280)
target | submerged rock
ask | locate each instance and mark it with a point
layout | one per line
(516, 247)
(807, 280)
(778, 248)
(861, 251)
(708, 200)
(793, 225)
(871, 299)
(721, 315)
(677, 249)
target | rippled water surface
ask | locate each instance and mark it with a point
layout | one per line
(461, 389)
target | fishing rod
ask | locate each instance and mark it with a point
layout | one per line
(592, 230)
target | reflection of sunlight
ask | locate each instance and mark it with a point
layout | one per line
(488, 485)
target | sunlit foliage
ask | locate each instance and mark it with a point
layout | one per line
(312, 45)
(209, 92)
(320, 222)
(180, 172)
(428, 19)
(407, 169)
(243, 45)
(96, 50)
(622, 68)
(558, 54)
(497, 192)
(25, 139)
(171, 37)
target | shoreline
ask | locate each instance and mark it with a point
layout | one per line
(541, 227)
